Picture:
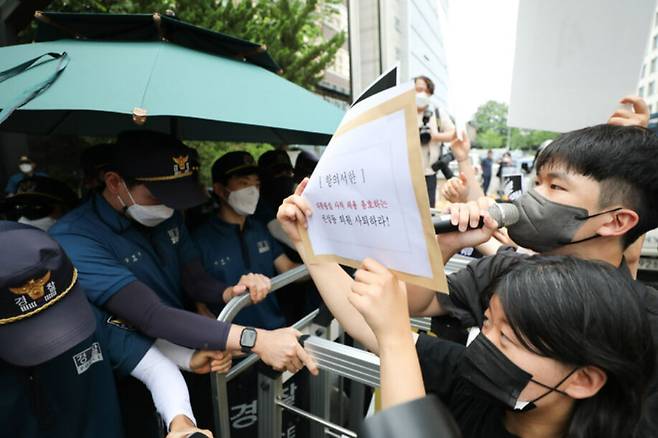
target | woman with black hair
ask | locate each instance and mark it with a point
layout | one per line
(566, 351)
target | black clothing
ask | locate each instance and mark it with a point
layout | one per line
(477, 414)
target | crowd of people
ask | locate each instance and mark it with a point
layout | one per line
(546, 334)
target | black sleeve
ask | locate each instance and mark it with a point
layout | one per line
(139, 306)
(439, 363)
(467, 301)
(199, 285)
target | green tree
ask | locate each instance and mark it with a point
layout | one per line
(491, 122)
(290, 29)
(492, 116)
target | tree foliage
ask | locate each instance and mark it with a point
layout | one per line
(291, 29)
(492, 131)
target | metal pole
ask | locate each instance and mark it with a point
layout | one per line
(319, 420)
(269, 413)
(218, 381)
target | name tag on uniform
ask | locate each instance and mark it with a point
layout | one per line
(263, 246)
(88, 357)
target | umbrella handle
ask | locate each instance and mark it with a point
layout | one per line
(35, 90)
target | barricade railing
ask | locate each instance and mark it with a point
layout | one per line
(219, 381)
(331, 357)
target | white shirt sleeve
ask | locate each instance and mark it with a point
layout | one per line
(181, 356)
(166, 384)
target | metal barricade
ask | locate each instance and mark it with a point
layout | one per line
(331, 357)
(219, 381)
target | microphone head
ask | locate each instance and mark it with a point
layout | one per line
(504, 214)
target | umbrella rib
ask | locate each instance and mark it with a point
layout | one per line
(148, 82)
(57, 124)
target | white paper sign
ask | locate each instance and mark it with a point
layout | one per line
(366, 200)
(575, 59)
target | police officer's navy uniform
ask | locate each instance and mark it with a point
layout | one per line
(228, 253)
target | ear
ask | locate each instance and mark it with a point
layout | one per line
(219, 189)
(113, 182)
(586, 382)
(621, 221)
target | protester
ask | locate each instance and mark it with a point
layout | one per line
(431, 147)
(233, 244)
(40, 201)
(594, 196)
(487, 164)
(565, 351)
(27, 169)
(57, 353)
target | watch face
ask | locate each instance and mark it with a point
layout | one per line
(248, 338)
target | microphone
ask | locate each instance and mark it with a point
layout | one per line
(504, 214)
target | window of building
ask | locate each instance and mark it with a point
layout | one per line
(652, 68)
(652, 88)
(655, 42)
(644, 70)
(656, 20)
(640, 92)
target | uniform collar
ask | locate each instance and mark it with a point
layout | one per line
(112, 218)
(218, 222)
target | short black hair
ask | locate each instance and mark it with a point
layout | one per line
(584, 313)
(428, 82)
(623, 159)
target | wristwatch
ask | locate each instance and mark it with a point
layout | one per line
(247, 339)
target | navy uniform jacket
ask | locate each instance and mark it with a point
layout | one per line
(110, 252)
(228, 253)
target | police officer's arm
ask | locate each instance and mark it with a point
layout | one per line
(140, 306)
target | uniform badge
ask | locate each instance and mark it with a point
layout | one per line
(263, 246)
(181, 164)
(174, 235)
(86, 358)
(33, 288)
(113, 320)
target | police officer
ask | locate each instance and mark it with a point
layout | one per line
(40, 201)
(56, 350)
(27, 168)
(232, 243)
(55, 378)
(137, 261)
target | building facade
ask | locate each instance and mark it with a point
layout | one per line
(649, 72)
(408, 32)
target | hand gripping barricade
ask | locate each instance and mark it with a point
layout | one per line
(355, 364)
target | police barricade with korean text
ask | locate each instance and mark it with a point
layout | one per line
(276, 392)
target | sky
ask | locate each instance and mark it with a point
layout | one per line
(480, 50)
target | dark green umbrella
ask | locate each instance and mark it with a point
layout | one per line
(105, 72)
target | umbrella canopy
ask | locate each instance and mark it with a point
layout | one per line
(224, 90)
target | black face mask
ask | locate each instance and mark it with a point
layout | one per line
(545, 225)
(488, 369)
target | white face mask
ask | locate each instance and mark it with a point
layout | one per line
(43, 223)
(147, 215)
(422, 100)
(244, 201)
(26, 168)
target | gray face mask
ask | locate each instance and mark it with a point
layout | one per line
(545, 225)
